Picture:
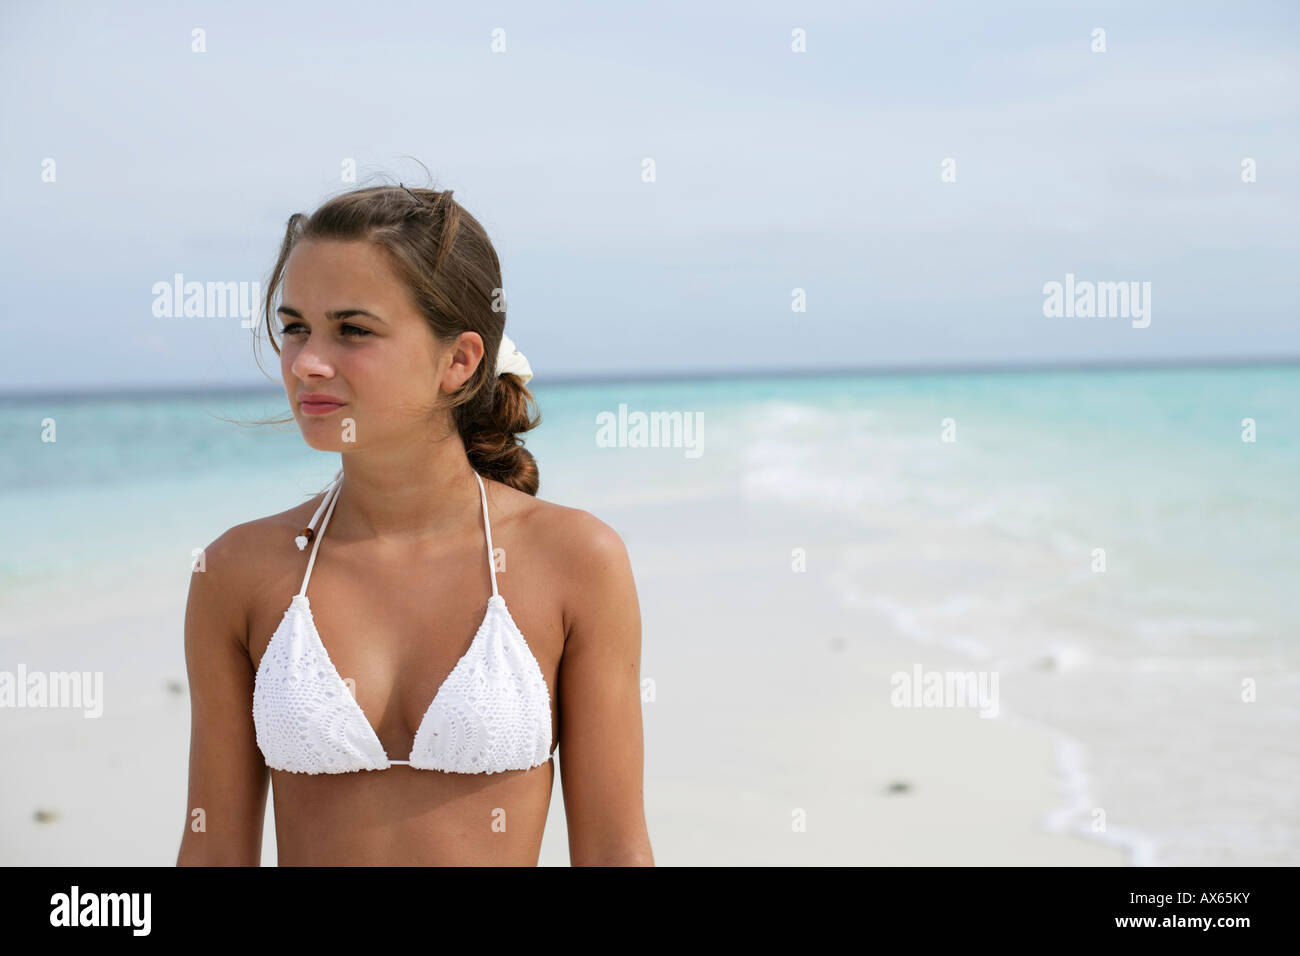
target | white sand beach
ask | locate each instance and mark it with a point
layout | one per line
(771, 705)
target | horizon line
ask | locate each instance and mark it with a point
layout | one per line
(786, 373)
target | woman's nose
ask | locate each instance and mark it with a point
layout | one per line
(309, 362)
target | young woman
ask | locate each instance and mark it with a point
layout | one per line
(401, 655)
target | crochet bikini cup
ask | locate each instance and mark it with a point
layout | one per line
(492, 712)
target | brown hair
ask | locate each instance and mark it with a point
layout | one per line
(446, 260)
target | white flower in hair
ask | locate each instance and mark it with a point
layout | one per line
(510, 359)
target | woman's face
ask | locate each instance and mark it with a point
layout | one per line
(353, 338)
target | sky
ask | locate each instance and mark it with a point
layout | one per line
(783, 177)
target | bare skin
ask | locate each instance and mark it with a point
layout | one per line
(399, 588)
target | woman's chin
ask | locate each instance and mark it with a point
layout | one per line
(321, 439)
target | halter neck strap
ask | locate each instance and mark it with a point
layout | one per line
(331, 496)
(487, 531)
(331, 499)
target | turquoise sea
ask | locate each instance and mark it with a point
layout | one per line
(1104, 539)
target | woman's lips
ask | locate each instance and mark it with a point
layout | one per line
(320, 408)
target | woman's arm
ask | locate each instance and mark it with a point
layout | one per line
(601, 742)
(228, 778)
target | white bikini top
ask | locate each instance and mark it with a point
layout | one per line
(492, 713)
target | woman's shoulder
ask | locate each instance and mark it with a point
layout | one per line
(281, 527)
(578, 543)
(590, 570)
(555, 525)
(256, 552)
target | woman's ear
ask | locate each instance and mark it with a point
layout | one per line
(462, 360)
(470, 352)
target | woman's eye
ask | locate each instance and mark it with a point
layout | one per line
(352, 331)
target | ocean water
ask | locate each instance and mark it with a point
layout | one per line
(1105, 541)
(986, 546)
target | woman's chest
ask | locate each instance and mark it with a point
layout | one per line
(393, 629)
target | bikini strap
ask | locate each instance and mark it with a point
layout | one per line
(332, 496)
(487, 530)
(308, 534)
